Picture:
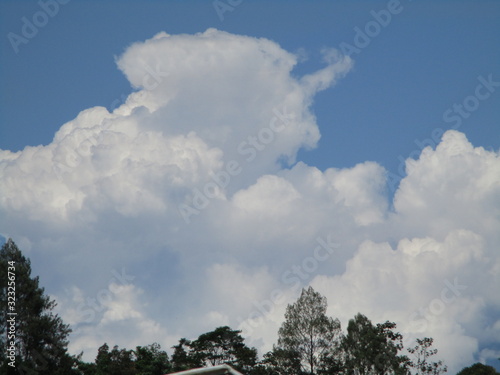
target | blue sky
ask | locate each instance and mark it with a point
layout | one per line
(424, 61)
(76, 209)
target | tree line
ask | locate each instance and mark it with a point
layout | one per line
(309, 341)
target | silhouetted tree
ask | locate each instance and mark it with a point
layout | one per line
(421, 354)
(151, 360)
(41, 337)
(309, 332)
(224, 346)
(479, 369)
(279, 362)
(182, 359)
(370, 349)
(115, 362)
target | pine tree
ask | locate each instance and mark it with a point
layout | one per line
(40, 335)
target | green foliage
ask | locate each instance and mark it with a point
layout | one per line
(103, 360)
(373, 349)
(221, 346)
(421, 354)
(308, 331)
(41, 335)
(144, 360)
(182, 358)
(309, 342)
(151, 360)
(114, 362)
(478, 369)
(279, 362)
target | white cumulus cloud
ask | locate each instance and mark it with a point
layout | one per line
(214, 125)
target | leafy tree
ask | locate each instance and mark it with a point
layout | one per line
(308, 332)
(182, 358)
(122, 362)
(85, 368)
(223, 346)
(279, 362)
(103, 360)
(370, 349)
(145, 360)
(421, 354)
(41, 335)
(331, 363)
(114, 362)
(478, 369)
(151, 360)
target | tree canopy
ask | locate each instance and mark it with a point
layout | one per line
(479, 369)
(308, 331)
(309, 341)
(372, 348)
(41, 337)
(220, 346)
(422, 352)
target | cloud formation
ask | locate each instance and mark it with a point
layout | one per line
(184, 209)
